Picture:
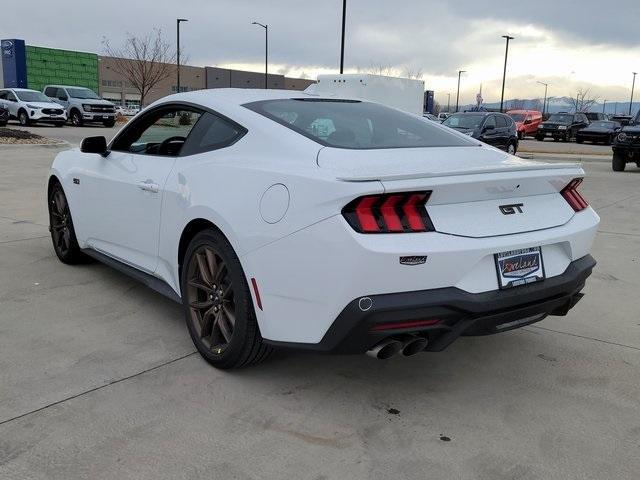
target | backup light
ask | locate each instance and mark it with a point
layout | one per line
(573, 197)
(402, 212)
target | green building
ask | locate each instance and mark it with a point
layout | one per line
(46, 66)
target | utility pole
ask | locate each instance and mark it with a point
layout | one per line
(632, 88)
(460, 72)
(504, 73)
(604, 104)
(344, 19)
(544, 103)
(178, 21)
(448, 102)
(266, 52)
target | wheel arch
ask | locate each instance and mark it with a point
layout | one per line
(53, 180)
(190, 230)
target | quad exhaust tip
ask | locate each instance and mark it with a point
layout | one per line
(408, 345)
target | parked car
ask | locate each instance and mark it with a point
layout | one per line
(496, 129)
(599, 131)
(4, 115)
(31, 106)
(442, 116)
(527, 121)
(595, 116)
(626, 146)
(431, 116)
(562, 126)
(82, 105)
(379, 232)
(623, 120)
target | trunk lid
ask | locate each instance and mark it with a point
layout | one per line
(476, 191)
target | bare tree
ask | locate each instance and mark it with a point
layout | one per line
(380, 69)
(583, 101)
(413, 74)
(144, 61)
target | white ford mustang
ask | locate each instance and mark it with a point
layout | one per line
(283, 219)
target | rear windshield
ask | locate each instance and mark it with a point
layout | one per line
(562, 118)
(355, 124)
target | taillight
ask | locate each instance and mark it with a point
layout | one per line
(390, 213)
(573, 196)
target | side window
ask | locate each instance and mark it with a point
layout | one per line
(501, 122)
(51, 92)
(491, 120)
(160, 132)
(11, 97)
(211, 133)
(3, 95)
(61, 94)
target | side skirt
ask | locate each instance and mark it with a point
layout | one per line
(150, 281)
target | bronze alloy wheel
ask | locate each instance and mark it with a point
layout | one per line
(218, 304)
(60, 222)
(210, 296)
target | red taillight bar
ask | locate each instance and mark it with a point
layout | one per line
(401, 212)
(573, 197)
(403, 325)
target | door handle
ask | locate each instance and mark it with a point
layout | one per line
(148, 186)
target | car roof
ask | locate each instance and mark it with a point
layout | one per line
(236, 96)
(66, 86)
(523, 111)
(22, 89)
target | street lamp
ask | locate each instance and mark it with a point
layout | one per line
(266, 52)
(504, 73)
(448, 103)
(604, 104)
(178, 21)
(544, 104)
(460, 72)
(344, 19)
(632, 87)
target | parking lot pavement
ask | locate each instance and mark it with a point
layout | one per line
(98, 379)
(549, 146)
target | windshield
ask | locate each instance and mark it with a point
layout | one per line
(82, 93)
(355, 124)
(517, 117)
(31, 96)
(464, 120)
(604, 124)
(561, 118)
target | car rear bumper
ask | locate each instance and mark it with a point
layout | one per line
(452, 312)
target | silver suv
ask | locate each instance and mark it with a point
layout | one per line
(82, 105)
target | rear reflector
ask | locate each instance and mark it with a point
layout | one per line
(254, 284)
(573, 197)
(403, 212)
(404, 325)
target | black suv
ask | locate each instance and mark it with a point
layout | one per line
(595, 116)
(496, 129)
(626, 146)
(562, 126)
(4, 115)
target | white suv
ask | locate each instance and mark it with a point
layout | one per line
(82, 105)
(30, 106)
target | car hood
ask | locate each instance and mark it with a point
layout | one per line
(597, 130)
(44, 104)
(403, 163)
(631, 129)
(94, 101)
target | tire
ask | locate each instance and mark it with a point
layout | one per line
(512, 148)
(59, 125)
(109, 123)
(539, 138)
(556, 139)
(3, 124)
(63, 235)
(520, 135)
(76, 118)
(214, 290)
(579, 140)
(23, 118)
(618, 163)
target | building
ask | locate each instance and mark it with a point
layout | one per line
(28, 66)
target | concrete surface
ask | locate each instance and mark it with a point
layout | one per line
(98, 379)
(549, 146)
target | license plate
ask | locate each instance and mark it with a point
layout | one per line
(549, 134)
(519, 267)
(97, 117)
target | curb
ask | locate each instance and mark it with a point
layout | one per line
(60, 144)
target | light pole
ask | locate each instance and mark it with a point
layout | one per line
(460, 72)
(266, 52)
(632, 87)
(504, 73)
(604, 104)
(178, 21)
(448, 103)
(344, 20)
(544, 104)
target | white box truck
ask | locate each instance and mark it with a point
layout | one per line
(401, 93)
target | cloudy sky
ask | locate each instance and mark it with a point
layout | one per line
(570, 44)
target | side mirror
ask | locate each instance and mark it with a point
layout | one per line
(95, 145)
(527, 121)
(64, 99)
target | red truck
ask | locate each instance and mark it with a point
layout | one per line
(527, 121)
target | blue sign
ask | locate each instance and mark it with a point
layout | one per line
(14, 63)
